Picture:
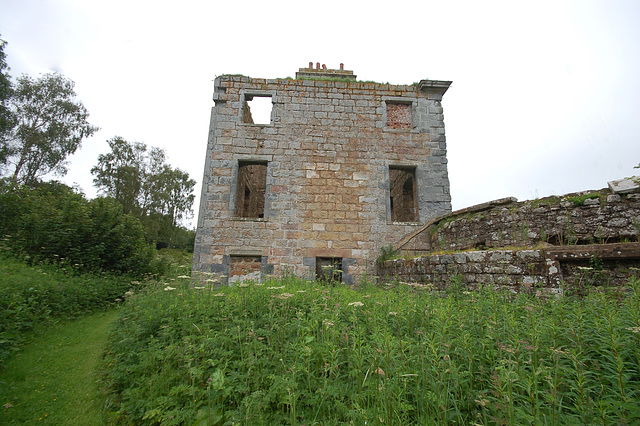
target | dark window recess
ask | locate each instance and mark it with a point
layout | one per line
(257, 109)
(244, 265)
(399, 116)
(329, 269)
(250, 193)
(402, 194)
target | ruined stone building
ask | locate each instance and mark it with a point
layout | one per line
(338, 170)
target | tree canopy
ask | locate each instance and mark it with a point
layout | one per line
(140, 180)
(42, 123)
(52, 222)
(50, 125)
(6, 117)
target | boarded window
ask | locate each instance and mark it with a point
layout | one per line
(402, 194)
(251, 189)
(329, 269)
(257, 109)
(399, 115)
(244, 268)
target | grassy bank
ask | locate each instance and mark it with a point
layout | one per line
(294, 352)
(33, 297)
(53, 378)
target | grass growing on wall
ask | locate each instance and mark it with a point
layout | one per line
(294, 352)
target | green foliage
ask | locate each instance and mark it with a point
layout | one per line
(6, 116)
(387, 253)
(51, 380)
(31, 297)
(54, 223)
(289, 351)
(125, 174)
(579, 200)
(51, 124)
(139, 179)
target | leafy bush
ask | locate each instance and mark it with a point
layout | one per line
(33, 296)
(53, 222)
(289, 351)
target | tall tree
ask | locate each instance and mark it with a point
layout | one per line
(118, 173)
(140, 180)
(51, 124)
(130, 173)
(175, 196)
(6, 116)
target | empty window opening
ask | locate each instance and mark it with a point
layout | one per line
(402, 194)
(251, 189)
(244, 268)
(257, 109)
(329, 269)
(399, 115)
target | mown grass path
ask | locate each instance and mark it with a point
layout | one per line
(53, 379)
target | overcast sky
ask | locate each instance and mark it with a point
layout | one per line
(545, 97)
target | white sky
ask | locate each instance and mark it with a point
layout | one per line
(545, 97)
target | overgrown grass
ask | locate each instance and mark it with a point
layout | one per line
(34, 297)
(578, 200)
(293, 352)
(52, 380)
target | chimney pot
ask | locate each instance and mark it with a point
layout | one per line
(341, 67)
(310, 64)
(317, 65)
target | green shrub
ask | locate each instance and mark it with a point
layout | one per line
(290, 351)
(53, 222)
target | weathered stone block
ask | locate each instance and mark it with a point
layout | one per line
(624, 186)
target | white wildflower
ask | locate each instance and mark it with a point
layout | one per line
(283, 296)
(356, 304)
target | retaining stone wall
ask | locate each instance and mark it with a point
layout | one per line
(547, 270)
(576, 240)
(568, 220)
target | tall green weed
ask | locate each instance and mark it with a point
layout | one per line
(293, 352)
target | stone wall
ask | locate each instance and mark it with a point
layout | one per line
(327, 152)
(582, 218)
(549, 270)
(541, 246)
